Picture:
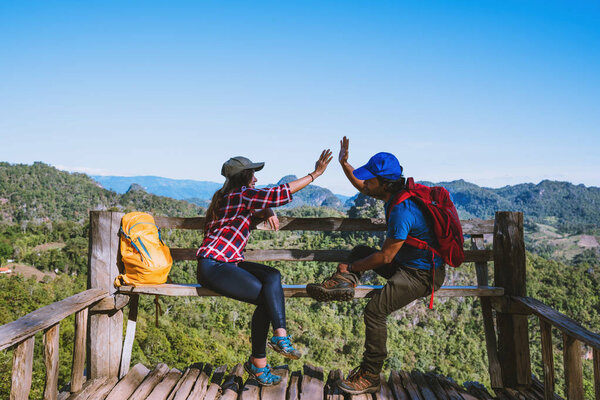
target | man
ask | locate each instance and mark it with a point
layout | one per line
(408, 270)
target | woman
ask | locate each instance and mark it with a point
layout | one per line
(221, 265)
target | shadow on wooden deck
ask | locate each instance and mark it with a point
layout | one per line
(203, 382)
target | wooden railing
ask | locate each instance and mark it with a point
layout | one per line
(21, 333)
(574, 335)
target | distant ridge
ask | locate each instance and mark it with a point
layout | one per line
(200, 192)
(179, 189)
(313, 195)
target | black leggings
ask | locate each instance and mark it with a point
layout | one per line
(251, 283)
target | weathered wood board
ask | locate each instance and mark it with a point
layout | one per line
(363, 291)
(45, 317)
(469, 227)
(129, 383)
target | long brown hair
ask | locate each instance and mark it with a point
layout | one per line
(234, 183)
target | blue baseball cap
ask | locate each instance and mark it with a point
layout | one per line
(383, 165)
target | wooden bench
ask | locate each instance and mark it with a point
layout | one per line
(104, 261)
(474, 228)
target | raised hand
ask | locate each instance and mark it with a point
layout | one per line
(348, 169)
(320, 167)
(344, 144)
(323, 162)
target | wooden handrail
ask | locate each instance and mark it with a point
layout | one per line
(45, 317)
(565, 324)
(22, 334)
(469, 226)
(573, 336)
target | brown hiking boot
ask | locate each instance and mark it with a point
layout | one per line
(360, 381)
(338, 287)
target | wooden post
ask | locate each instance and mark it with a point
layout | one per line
(22, 370)
(509, 273)
(51, 362)
(488, 319)
(77, 378)
(547, 359)
(573, 367)
(105, 333)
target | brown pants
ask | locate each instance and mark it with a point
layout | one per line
(404, 285)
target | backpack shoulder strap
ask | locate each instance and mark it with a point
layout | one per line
(397, 199)
(400, 197)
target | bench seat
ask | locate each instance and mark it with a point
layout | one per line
(178, 289)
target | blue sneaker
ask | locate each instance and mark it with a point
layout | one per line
(262, 375)
(283, 345)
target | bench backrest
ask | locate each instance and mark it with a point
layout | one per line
(474, 228)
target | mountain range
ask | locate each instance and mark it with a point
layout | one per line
(560, 204)
(179, 189)
(200, 192)
(40, 192)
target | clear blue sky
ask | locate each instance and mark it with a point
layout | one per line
(495, 92)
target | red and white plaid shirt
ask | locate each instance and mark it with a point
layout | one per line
(226, 237)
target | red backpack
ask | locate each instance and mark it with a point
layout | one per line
(444, 221)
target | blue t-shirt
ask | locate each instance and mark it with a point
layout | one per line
(407, 219)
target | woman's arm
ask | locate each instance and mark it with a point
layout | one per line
(257, 199)
(320, 167)
(266, 214)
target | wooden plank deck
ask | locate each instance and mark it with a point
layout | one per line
(203, 382)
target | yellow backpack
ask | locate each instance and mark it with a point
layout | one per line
(146, 258)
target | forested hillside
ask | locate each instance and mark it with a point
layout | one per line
(40, 193)
(40, 204)
(570, 208)
(44, 224)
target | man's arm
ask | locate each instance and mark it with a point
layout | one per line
(343, 158)
(384, 256)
